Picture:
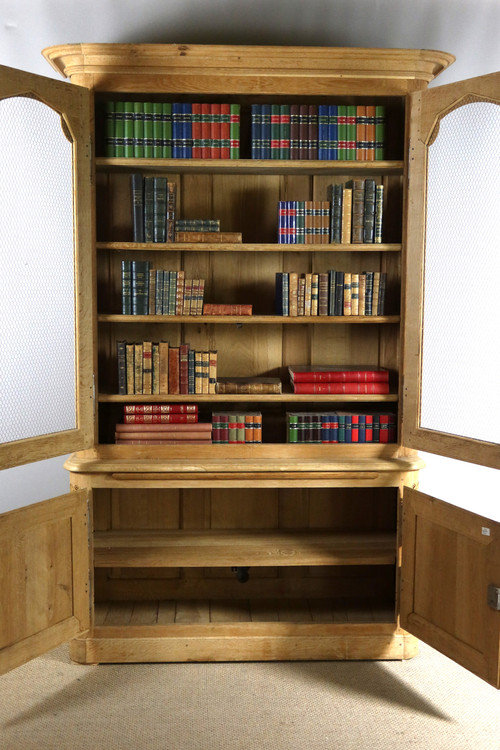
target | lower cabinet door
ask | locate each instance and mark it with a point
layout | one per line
(44, 577)
(450, 581)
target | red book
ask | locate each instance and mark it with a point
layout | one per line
(354, 428)
(159, 418)
(353, 388)
(214, 309)
(163, 428)
(159, 408)
(173, 370)
(225, 131)
(162, 442)
(215, 131)
(337, 374)
(369, 428)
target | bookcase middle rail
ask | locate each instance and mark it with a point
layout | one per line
(250, 319)
(228, 247)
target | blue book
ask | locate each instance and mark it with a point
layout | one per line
(256, 131)
(362, 429)
(177, 130)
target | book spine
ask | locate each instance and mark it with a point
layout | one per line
(339, 376)
(147, 367)
(140, 286)
(358, 211)
(351, 133)
(226, 309)
(173, 370)
(160, 409)
(312, 131)
(138, 364)
(130, 354)
(128, 129)
(342, 132)
(361, 132)
(119, 129)
(346, 215)
(348, 388)
(265, 137)
(275, 131)
(303, 131)
(159, 208)
(109, 128)
(323, 153)
(215, 131)
(166, 118)
(333, 132)
(152, 292)
(149, 202)
(256, 131)
(370, 133)
(205, 130)
(379, 132)
(369, 212)
(137, 194)
(379, 211)
(284, 131)
(196, 133)
(126, 287)
(148, 130)
(177, 150)
(121, 355)
(157, 130)
(294, 131)
(163, 376)
(234, 131)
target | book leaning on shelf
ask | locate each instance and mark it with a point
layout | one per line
(149, 368)
(332, 292)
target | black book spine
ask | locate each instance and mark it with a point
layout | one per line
(137, 189)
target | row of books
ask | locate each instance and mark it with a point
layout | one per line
(340, 427)
(177, 130)
(154, 201)
(147, 368)
(353, 213)
(312, 131)
(156, 291)
(330, 293)
(237, 427)
(338, 379)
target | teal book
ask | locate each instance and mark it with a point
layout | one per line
(351, 133)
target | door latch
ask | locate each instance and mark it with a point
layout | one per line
(494, 596)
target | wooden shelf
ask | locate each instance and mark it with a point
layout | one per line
(214, 548)
(249, 166)
(160, 398)
(251, 319)
(247, 247)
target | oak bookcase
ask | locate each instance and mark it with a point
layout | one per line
(318, 526)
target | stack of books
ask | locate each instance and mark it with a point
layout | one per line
(340, 427)
(162, 424)
(330, 293)
(237, 427)
(156, 291)
(147, 368)
(178, 130)
(311, 131)
(154, 202)
(338, 379)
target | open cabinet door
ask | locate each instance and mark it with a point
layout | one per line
(46, 360)
(450, 582)
(451, 394)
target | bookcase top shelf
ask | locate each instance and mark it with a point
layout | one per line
(250, 319)
(247, 247)
(250, 69)
(250, 166)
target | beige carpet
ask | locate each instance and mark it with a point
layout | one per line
(427, 703)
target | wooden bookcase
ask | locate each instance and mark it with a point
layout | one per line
(318, 526)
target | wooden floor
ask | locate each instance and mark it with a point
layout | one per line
(168, 612)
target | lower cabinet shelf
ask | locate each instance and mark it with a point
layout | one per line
(228, 548)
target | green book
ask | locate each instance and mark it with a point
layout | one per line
(109, 129)
(234, 131)
(119, 129)
(379, 132)
(351, 133)
(128, 129)
(138, 130)
(166, 114)
(148, 130)
(342, 131)
(157, 130)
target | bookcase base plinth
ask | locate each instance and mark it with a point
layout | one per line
(250, 642)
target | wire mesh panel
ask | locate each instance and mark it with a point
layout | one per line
(37, 278)
(461, 351)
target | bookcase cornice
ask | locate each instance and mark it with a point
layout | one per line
(246, 69)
